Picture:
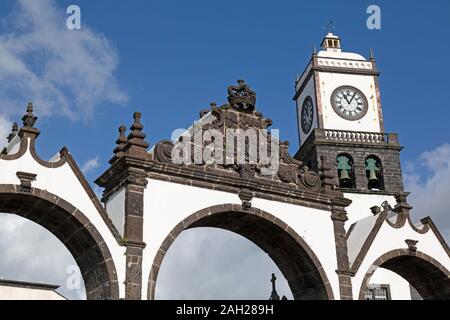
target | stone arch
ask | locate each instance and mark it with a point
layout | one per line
(295, 259)
(73, 229)
(430, 278)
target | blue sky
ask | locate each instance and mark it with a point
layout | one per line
(170, 59)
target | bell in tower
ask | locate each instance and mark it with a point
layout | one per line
(373, 172)
(344, 171)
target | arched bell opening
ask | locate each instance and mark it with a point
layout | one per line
(374, 173)
(345, 171)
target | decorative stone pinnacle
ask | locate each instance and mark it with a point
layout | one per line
(121, 143)
(137, 125)
(29, 119)
(136, 145)
(122, 138)
(14, 130)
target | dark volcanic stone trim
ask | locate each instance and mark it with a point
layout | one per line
(368, 243)
(47, 164)
(73, 229)
(429, 277)
(22, 149)
(296, 260)
(29, 285)
(339, 216)
(133, 232)
(65, 157)
(65, 154)
(429, 222)
(403, 218)
(319, 106)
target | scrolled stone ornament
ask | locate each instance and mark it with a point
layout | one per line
(309, 179)
(163, 151)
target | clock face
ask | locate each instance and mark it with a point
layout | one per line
(307, 115)
(349, 103)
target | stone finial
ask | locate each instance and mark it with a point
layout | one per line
(136, 144)
(29, 119)
(14, 131)
(326, 174)
(121, 142)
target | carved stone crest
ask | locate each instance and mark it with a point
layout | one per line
(241, 97)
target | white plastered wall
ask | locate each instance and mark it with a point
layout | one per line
(162, 213)
(115, 206)
(361, 204)
(63, 182)
(19, 293)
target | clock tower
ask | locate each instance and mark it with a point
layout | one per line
(340, 117)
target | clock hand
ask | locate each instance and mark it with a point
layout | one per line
(353, 97)
(345, 97)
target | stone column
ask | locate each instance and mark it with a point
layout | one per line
(133, 234)
(339, 216)
(136, 181)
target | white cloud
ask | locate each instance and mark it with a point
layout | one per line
(428, 180)
(90, 165)
(31, 253)
(63, 72)
(209, 263)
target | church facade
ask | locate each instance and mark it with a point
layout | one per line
(334, 217)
